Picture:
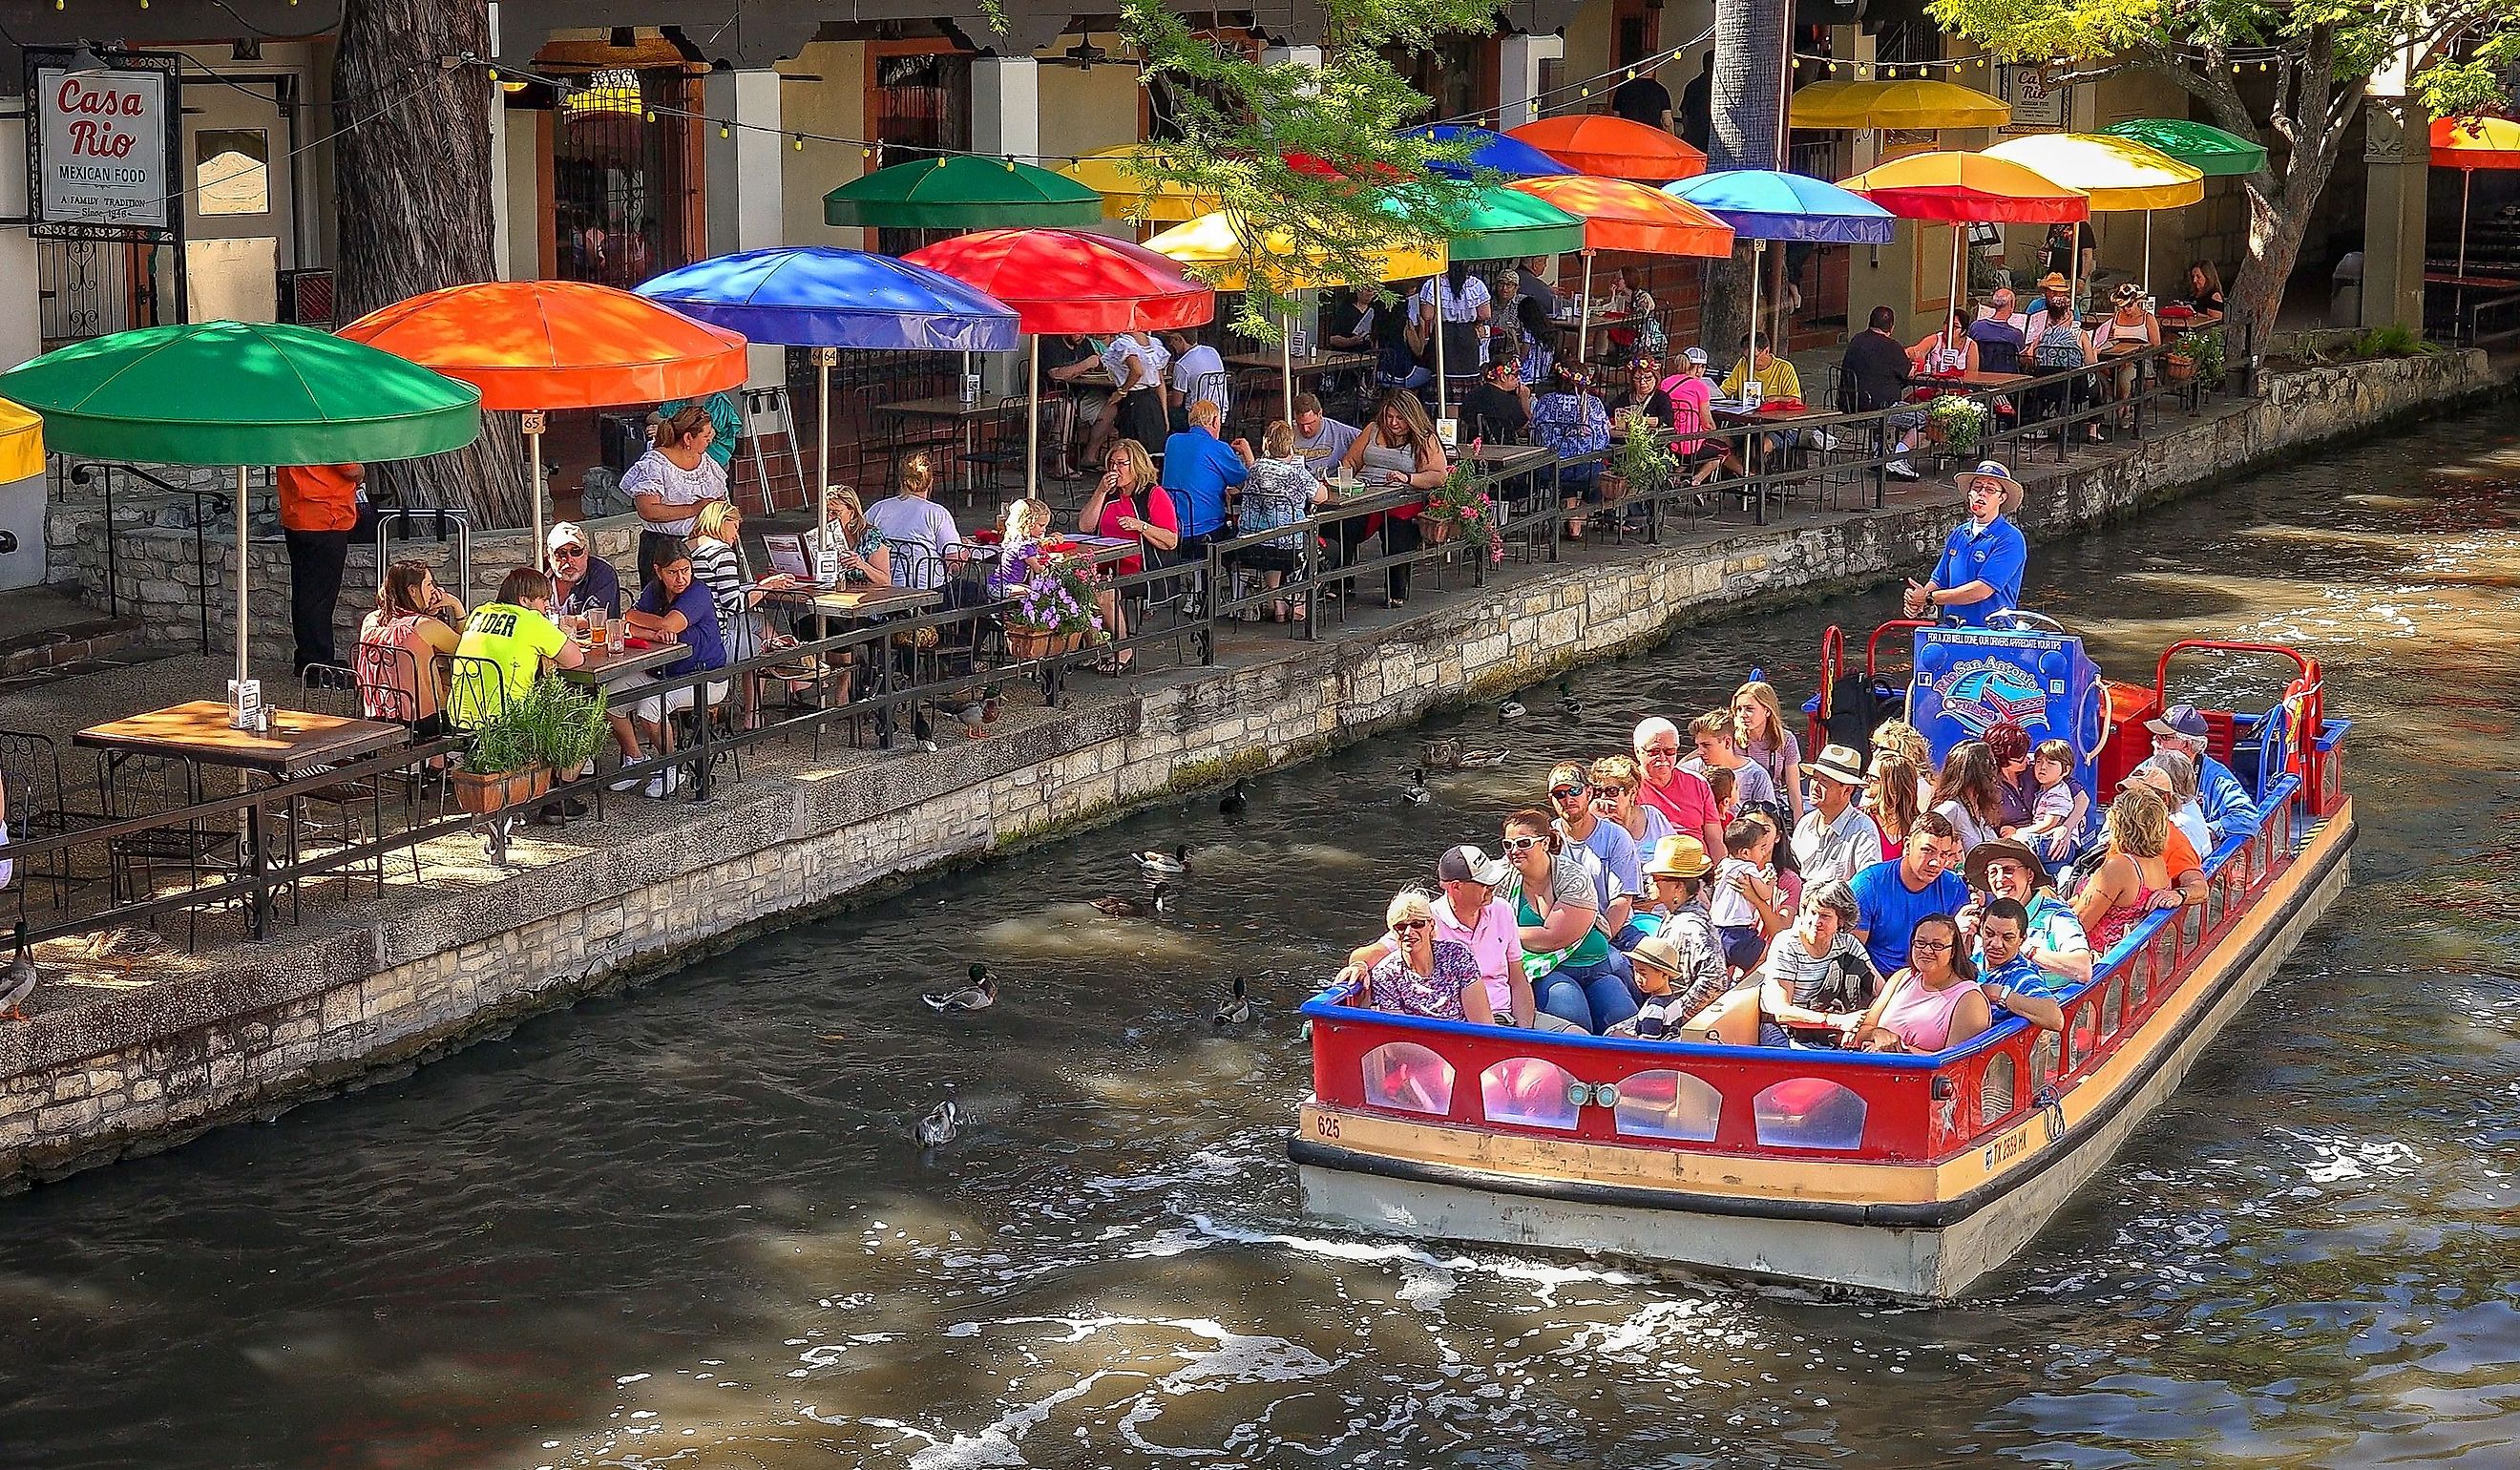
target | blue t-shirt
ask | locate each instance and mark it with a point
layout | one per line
(1887, 911)
(700, 626)
(1994, 553)
(1620, 862)
(1197, 466)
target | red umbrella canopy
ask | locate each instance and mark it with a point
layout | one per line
(2475, 143)
(1970, 188)
(1068, 280)
(1612, 147)
(556, 344)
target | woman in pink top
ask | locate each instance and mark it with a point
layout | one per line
(1933, 1004)
(1693, 415)
(404, 647)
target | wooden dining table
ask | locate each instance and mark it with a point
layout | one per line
(602, 666)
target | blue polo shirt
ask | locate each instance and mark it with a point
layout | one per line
(700, 626)
(1197, 468)
(1887, 911)
(1994, 553)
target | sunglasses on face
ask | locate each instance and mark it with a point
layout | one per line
(1565, 793)
(1613, 792)
(1525, 844)
(1411, 926)
(569, 554)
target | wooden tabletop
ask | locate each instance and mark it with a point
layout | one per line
(1311, 366)
(617, 661)
(1974, 377)
(199, 731)
(986, 406)
(1501, 455)
(861, 602)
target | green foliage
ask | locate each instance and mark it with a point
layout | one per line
(1239, 118)
(1644, 458)
(1959, 420)
(550, 724)
(2396, 339)
(2202, 346)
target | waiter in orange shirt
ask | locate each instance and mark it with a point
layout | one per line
(319, 508)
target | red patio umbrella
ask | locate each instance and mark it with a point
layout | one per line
(1612, 147)
(1619, 215)
(1069, 282)
(1971, 189)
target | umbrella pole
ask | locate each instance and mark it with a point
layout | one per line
(1584, 318)
(243, 629)
(534, 485)
(2148, 252)
(1952, 302)
(1032, 426)
(2459, 292)
(1287, 361)
(823, 449)
(1757, 247)
(1443, 408)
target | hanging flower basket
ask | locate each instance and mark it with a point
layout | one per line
(2179, 369)
(1041, 642)
(1436, 529)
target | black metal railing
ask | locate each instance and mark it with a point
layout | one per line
(208, 506)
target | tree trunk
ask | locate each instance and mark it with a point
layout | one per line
(1749, 132)
(412, 171)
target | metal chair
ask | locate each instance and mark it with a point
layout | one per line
(476, 692)
(331, 689)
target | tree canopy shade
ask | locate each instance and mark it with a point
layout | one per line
(1244, 125)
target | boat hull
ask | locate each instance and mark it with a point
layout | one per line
(1932, 1247)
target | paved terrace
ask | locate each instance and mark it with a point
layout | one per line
(136, 1042)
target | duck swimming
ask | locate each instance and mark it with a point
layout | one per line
(979, 994)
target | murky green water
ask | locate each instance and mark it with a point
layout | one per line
(686, 1227)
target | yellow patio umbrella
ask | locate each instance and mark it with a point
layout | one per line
(2117, 173)
(22, 443)
(1915, 105)
(1216, 246)
(1110, 172)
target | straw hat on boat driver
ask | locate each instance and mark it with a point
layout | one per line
(1995, 469)
(1678, 858)
(2012, 849)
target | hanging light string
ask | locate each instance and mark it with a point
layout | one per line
(2240, 59)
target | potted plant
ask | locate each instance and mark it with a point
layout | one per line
(2197, 353)
(1956, 422)
(1639, 461)
(1049, 603)
(561, 726)
(499, 769)
(1462, 502)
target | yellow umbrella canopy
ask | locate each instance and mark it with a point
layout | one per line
(2117, 173)
(1109, 173)
(1218, 246)
(22, 443)
(1909, 105)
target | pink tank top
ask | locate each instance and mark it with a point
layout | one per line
(2119, 922)
(1922, 1018)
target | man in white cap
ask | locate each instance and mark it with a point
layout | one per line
(2228, 806)
(581, 580)
(1983, 558)
(1836, 839)
(1471, 915)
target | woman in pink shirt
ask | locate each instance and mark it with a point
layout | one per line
(1935, 1003)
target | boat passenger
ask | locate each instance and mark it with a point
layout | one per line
(1817, 982)
(1908, 743)
(1718, 750)
(1423, 975)
(1891, 897)
(1933, 1004)
(1677, 874)
(2053, 938)
(2010, 744)
(2174, 776)
(2136, 876)
(2011, 980)
(1579, 978)
(2056, 810)
(1890, 800)
(1760, 734)
(1614, 782)
(1604, 850)
(1720, 783)
(1678, 998)
(1970, 793)
(1680, 795)
(1471, 915)
(1836, 840)
(1983, 558)
(2228, 806)
(1745, 904)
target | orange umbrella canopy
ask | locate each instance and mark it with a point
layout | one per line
(1619, 215)
(1612, 147)
(2476, 143)
(1969, 187)
(556, 344)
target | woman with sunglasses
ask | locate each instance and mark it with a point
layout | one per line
(1579, 978)
(1423, 975)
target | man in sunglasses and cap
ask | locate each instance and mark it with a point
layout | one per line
(2228, 806)
(1983, 558)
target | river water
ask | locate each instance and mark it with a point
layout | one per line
(686, 1226)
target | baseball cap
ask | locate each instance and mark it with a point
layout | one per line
(2179, 720)
(1470, 864)
(1696, 355)
(565, 534)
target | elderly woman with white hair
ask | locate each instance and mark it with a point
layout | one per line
(1682, 797)
(1423, 975)
(2174, 775)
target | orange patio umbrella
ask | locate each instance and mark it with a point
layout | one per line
(1612, 147)
(1969, 188)
(534, 345)
(2468, 144)
(1619, 215)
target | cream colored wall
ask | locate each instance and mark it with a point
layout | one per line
(1587, 54)
(524, 194)
(1084, 110)
(833, 107)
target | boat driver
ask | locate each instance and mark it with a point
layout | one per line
(1983, 560)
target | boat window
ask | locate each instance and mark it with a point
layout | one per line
(2138, 970)
(1409, 1076)
(1810, 1112)
(1667, 1105)
(2113, 1004)
(1995, 1090)
(2086, 1037)
(2043, 1063)
(1530, 1092)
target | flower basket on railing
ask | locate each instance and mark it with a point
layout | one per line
(2197, 353)
(1462, 503)
(1640, 463)
(1956, 424)
(1050, 602)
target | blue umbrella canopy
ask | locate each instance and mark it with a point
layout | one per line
(822, 297)
(1511, 157)
(1765, 204)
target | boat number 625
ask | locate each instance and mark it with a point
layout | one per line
(1325, 1124)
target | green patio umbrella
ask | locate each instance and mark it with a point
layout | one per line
(2207, 148)
(963, 193)
(1501, 224)
(242, 393)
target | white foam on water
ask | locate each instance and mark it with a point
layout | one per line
(1548, 1277)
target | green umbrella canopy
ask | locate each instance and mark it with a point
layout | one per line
(242, 393)
(2200, 145)
(963, 193)
(1507, 224)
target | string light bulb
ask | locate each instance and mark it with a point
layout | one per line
(800, 143)
(724, 131)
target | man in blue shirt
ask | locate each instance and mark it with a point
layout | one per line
(2228, 806)
(1983, 560)
(1891, 897)
(674, 607)
(1198, 469)
(2011, 980)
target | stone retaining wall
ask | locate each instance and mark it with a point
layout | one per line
(84, 1084)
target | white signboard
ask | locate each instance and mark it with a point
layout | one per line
(2040, 103)
(101, 149)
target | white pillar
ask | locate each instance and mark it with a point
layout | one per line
(499, 212)
(1519, 59)
(22, 505)
(1301, 56)
(747, 211)
(1006, 119)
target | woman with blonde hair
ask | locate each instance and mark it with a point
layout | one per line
(1397, 451)
(1126, 505)
(864, 559)
(1279, 492)
(1423, 975)
(1758, 726)
(2136, 876)
(717, 563)
(1908, 743)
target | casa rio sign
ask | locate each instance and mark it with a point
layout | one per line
(101, 145)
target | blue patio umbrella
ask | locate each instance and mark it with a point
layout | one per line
(1511, 157)
(822, 297)
(1768, 203)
